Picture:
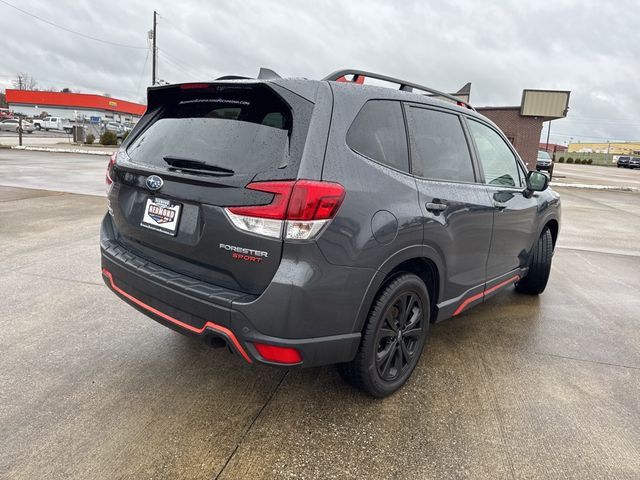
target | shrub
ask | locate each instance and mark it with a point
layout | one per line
(90, 139)
(590, 161)
(108, 138)
(561, 160)
(125, 135)
(569, 160)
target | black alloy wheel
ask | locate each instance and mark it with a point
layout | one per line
(393, 337)
(398, 336)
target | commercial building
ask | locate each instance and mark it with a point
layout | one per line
(618, 148)
(523, 132)
(523, 124)
(73, 106)
(552, 147)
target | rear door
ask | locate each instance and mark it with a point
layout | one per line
(195, 151)
(457, 214)
(514, 224)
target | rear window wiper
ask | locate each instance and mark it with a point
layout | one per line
(196, 166)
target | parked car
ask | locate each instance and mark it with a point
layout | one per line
(5, 113)
(115, 128)
(53, 123)
(623, 161)
(544, 162)
(13, 125)
(634, 162)
(305, 223)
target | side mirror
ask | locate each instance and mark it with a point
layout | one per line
(536, 181)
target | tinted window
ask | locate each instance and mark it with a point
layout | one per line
(439, 147)
(498, 161)
(378, 132)
(245, 130)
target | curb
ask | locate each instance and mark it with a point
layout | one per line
(62, 150)
(586, 186)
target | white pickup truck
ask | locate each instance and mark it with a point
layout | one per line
(52, 123)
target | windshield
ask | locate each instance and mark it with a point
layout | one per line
(244, 131)
(542, 155)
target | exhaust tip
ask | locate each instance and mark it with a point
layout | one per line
(216, 341)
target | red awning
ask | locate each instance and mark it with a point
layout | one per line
(73, 100)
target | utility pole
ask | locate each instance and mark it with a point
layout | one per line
(548, 133)
(154, 49)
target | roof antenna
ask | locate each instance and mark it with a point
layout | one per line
(267, 74)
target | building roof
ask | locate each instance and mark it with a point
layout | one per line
(73, 100)
(517, 107)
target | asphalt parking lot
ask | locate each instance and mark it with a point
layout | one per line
(519, 387)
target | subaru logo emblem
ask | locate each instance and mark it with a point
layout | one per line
(154, 182)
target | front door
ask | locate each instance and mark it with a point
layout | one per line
(514, 217)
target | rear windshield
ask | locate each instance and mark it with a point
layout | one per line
(240, 130)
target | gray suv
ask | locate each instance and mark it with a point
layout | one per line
(305, 223)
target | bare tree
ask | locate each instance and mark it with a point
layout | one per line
(24, 81)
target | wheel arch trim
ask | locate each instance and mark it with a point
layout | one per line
(413, 252)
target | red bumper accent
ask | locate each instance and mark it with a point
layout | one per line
(480, 295)
(213, 326)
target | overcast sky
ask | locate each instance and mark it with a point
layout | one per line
(588, 47)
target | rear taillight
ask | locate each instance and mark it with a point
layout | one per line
(108, 176)
(299, 208)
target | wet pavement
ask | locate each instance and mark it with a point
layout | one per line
(596, 175)
(65, 172)
(519, 387)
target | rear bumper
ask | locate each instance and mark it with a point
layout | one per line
(203, 310)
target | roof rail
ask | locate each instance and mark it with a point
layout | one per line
(360, 75)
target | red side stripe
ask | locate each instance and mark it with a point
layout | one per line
(477, 296)
(213, 326)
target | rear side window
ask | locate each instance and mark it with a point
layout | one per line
(439, 149)
(237, 130)
(378, 132)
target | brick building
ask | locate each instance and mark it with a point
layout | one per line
(522, 131)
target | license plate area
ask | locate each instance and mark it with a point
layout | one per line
(161, 215)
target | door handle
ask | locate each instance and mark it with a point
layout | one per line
(499, 205)
(435, 207)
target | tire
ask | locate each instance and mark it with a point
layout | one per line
(539, 266)
(371, 370)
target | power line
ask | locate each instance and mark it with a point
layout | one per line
(181, 63)
(165, 19)
(612, 139)
(144, 65)
(122, 45)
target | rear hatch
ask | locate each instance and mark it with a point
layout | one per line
(191, 155)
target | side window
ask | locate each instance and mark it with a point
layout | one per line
(498, 161)
(439, 149)
(378, 132)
